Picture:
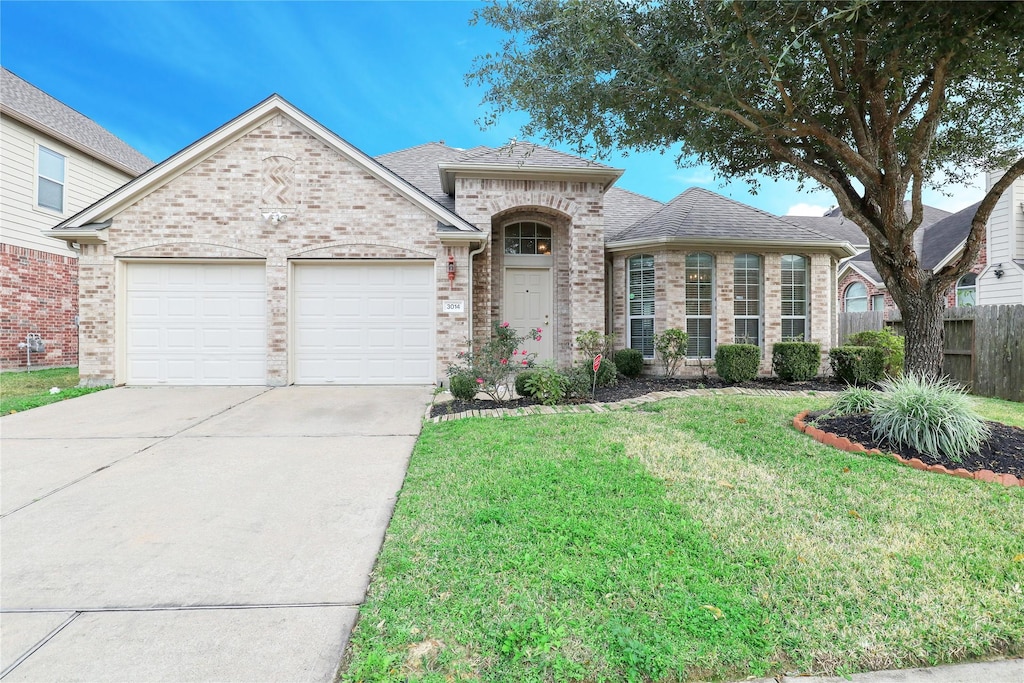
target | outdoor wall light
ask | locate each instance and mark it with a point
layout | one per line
(998, 272)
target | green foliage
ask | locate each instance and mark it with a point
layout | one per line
(20, 391)
(796, 361)
(671, 346)
(546, 384)
(579, 382)
(495, 362)
(520, 383)
(607, 374)
(592, 342)
(737, 362)
(463, 386)
(857, 364)
(854, 401)
(887, 340)
(630, 362)
(933, 416)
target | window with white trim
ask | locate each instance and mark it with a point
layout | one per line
(528, 237)
(747, 298)
(856, 299)
(794, 297)
(641, 303)
(967, 290)
(50, 179)
(700, 270)
(878, 302)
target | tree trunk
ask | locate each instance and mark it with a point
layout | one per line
(923, 334)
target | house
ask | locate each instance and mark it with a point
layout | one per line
(274, 252)
(53, 163)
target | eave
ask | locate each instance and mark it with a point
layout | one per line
(449, 171)
(839, 249)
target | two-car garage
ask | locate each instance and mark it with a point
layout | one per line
(350, 322)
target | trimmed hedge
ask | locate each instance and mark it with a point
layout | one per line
(630, 362)
(885, 339)
(858, 364)
(463, 387)
(796, 361)
(737, 362)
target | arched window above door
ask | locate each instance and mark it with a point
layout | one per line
(528, 238)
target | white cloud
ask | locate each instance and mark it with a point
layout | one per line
(803, 209)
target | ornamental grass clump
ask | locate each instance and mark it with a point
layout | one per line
(855, 401)
(933, 416)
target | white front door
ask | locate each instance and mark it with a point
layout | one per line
(528, 305)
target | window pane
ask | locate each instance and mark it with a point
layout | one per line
(511, 245)
(543, 231)
(856, 298)
(641, 335)
(512, 230)
(748, 332)
(965, 296)
(51, 165)
(878, 302)
(793, 330)
(51, 194)
(699, 345)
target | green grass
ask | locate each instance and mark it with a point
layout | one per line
(24, 390)
(692, 539)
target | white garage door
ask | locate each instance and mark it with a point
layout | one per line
(361, 323)
(191, 323)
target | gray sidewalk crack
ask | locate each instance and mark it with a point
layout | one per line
(35, 648)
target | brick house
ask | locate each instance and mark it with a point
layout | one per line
(53, 163)
(274, 252)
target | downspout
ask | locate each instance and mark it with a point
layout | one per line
(483, 245)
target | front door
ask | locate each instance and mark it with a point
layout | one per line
(528, 304)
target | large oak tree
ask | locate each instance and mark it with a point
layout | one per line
(874, 101)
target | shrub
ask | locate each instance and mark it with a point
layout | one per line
(933, 416)
(607, 374)
(737, 362)
(887, 340)
(796, 361)
(578, 382)
(671, 346)
(546, 384)
(521, 387)
(463, 386)
(496, 361)
(630, 362)
(592, 342)
(854, 401)
(857, 364)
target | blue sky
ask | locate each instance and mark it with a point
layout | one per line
(382, 75)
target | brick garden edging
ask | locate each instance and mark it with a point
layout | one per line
(842, 443)
(619, 405)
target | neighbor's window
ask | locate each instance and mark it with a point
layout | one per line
(641, 304)
(878, 302)
(794, 298)
(528, 238)
(747, 298)
(856, 299)
(966, 290)
(700, 269)
(50, 180)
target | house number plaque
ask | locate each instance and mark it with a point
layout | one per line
(453, 306)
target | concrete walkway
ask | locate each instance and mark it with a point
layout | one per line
(1003, 671)
(195, 534)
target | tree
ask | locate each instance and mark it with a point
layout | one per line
(872, 100)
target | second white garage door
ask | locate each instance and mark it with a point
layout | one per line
(362, 323)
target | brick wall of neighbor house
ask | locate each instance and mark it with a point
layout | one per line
(39, 291)
(576, 210)
(214, 210)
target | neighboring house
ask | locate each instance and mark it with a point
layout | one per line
(53, 163)
(274, 252)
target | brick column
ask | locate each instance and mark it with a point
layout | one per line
(96, 333)
(821, 316)
(772, 314)
(277, 321)
(725, 322)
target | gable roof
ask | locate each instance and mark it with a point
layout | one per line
(698, 215)
(93, 217)
(519, 158)
(24, 102)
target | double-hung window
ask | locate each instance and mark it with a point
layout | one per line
(641, 303)
(747, 298)
(794, 298)
(50, 179)
(700, 270)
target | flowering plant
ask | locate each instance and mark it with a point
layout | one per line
(495, 362)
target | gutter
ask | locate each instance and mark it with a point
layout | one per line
(840, 247)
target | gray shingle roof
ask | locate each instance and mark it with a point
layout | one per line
(943, 237)
(526, 155)
(623, 208)
(839, 227)
(863, 263)
(29, 102)
(418, 165)
(699, 213)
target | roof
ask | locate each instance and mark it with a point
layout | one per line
(699, 214)
(418, 165)
(526, 155)
(946, 236)
(23, 101)
(839, 227)
(623, 208)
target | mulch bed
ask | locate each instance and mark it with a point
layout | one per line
(640, 386)
(1002, 453)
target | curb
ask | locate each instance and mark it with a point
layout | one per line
(844, 444)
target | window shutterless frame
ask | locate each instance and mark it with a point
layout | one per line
(640, 303)
(700, 274)
(747, 298)
(794, 297)
(50, 172)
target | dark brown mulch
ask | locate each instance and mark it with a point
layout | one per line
(640, 386)
(1003, 453)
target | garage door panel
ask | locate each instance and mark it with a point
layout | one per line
(380, 323)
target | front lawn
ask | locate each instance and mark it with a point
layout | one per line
(23, 390)
(700, 538)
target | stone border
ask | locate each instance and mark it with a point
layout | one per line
(844, 444)
(619, 405)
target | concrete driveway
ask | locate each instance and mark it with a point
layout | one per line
(195, 534)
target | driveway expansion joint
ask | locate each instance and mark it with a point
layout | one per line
(35, 648)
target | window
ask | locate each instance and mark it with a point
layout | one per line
(878, 302)
(699, 275)
(528, 238)
(856, 299)
(641, 304)
(50, 180)
(747, 298)
(966, 290)
(794, 298)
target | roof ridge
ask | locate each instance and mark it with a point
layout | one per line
(636, 194)
(422, 144)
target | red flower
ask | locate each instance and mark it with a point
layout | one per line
(504, 324)
(479, 380)
(504, 361)
(526, 362)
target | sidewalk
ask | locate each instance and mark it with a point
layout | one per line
(1003, 671)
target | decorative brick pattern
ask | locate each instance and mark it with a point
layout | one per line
(39, 291)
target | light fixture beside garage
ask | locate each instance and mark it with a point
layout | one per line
(451, 270)
(275, 217)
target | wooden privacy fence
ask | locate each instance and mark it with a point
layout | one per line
(983, 346)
